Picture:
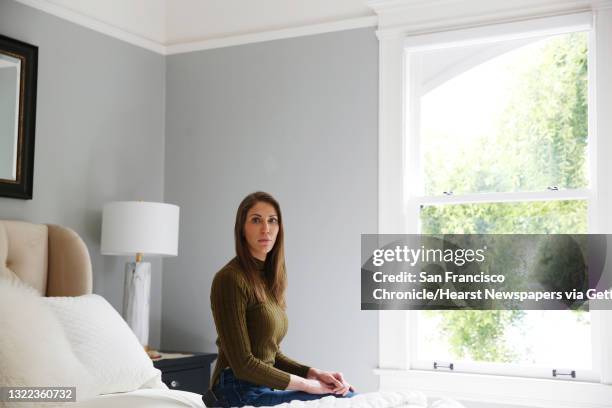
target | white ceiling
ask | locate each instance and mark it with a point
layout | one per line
(171, 22)
(189, 20)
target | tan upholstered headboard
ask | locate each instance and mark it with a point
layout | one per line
(52, 259)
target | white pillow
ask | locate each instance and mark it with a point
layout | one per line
(34, 350)
(105, 344)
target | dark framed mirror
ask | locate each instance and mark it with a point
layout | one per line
(18, 74)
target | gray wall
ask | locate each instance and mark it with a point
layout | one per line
(8, 117)
(99, 135)
(297, 118)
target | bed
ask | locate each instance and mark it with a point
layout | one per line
(56, 333)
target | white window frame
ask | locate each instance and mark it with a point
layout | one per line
(397, 195)
(503, 32)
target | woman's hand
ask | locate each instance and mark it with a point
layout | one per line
(345, 383)
(313, 386)
(334, 379)
(309, 385)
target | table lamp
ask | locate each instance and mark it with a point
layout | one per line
(139, 228)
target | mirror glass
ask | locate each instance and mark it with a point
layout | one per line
(10, 69)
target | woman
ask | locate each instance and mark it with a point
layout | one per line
(248, 304)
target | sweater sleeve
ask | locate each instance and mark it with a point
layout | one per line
(291, 366)
(228, 300)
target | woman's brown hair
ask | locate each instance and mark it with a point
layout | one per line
(274, 274)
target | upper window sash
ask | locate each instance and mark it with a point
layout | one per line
(412, 179)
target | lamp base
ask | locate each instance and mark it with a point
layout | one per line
(137, 299)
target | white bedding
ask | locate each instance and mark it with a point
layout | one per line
(159, 398)
(149, 398)
(87, 345)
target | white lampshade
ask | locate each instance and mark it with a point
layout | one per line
(132, 227)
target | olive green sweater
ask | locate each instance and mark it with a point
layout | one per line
(249, 332)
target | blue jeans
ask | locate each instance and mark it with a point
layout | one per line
(238, 393)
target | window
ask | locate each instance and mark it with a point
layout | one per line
(536, 160)
(503, 133)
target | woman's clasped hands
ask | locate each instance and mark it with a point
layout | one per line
(329, 382)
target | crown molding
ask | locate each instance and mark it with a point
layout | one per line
(348, 24)
(95, 25)
(410, 17)
(204, 44)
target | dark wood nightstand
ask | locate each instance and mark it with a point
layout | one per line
(185, 371)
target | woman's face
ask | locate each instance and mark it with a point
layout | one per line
(260, 229)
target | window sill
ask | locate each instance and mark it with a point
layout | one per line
(531, 392)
